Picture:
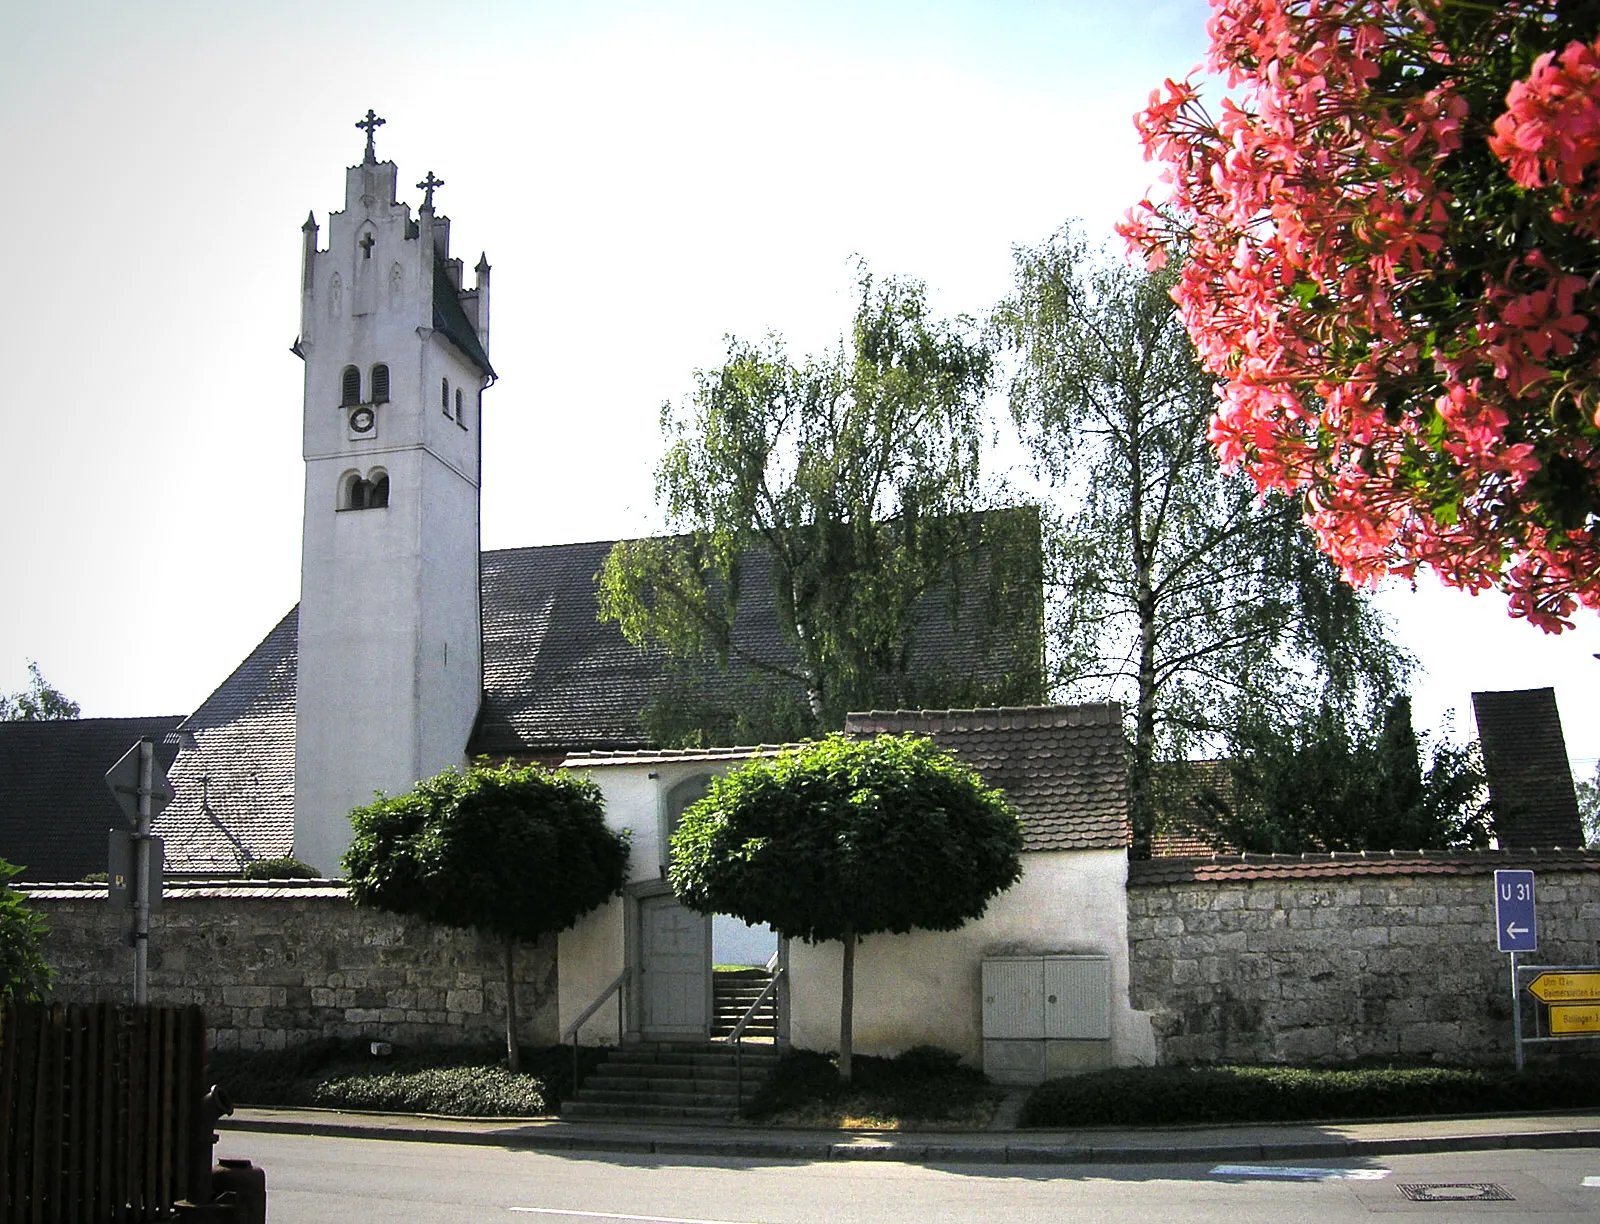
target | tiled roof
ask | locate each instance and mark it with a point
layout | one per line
(1064, 768)
(558, 680)
(1530, 779)
(235, 791)
(1340, 865)
(205, 890)
(1178, 786)
(670, 756)
(55, 808)
(449, 318)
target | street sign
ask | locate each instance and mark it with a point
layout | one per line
(1574, 1019)
(1565, 987)
(1515, 925)
(121, 871)
(123, 779)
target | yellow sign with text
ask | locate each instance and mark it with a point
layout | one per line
(1570, 1020)
(1565, 987)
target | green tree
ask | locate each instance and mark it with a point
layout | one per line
(24, 976)
(39, 702)
(1314, 785)
(515, 852)
(855, 478)
(1588, 792)
(844, 838)
(1178, 590)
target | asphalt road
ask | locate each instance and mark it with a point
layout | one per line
(364, 1181)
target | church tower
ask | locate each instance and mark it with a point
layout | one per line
(390, 642)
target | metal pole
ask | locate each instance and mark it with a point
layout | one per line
(1516, 1012)
(141, 876)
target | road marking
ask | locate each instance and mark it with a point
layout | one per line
(612, 1215)
(1592, 1182)
(1299, 1173)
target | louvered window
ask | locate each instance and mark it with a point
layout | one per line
(380, 384)
(378, 493)
(351, 389)
(460, 420)
(444, 395)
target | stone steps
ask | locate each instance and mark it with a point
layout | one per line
(689, 1081)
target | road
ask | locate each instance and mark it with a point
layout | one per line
(365, 1181)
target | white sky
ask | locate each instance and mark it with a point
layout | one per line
(645, 178)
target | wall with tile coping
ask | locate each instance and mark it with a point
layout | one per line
(276, 966)
(1336, 969)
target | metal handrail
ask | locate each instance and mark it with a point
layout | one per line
(736, 1037)
(618, 984)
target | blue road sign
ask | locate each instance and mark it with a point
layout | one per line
(1515, 925)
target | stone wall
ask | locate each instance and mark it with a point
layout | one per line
(283, 963)
(1334, 958)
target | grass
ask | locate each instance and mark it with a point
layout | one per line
(1165, 1096)
(923, 1088)
(460, 1081)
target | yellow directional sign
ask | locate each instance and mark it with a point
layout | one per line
(1565, 987)
(1573, 1019)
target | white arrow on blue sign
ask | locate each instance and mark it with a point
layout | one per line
(1516, 926)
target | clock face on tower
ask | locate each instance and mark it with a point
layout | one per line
(362, 421)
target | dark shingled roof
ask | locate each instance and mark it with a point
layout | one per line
(451, 319)
(1064, 768)
(1530, 779)
(556, 681)
(1236, 868)
(236, 788)
(57, 808)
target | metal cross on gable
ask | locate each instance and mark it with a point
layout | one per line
(371, 123)
(428, 184)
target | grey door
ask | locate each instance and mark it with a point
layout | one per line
(675, 970)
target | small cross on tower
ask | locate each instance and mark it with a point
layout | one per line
(371, 123)
(427, 185)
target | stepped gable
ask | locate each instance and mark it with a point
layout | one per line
(57, 807)
(1064, 768)
(1530, 779)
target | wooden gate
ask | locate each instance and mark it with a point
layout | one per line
(105, 1112)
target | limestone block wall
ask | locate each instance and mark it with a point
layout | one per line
(279, 964)
(1337, 958)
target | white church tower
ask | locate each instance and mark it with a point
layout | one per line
(396, 363)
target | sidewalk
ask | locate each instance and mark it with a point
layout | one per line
(1296, 1142)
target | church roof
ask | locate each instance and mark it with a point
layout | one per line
(556, 681)
(57, 807)
(1525, 758)
(449, 318)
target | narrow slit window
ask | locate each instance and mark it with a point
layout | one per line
(444, 395)
(460, 420)
(380, 384)
(350, 389)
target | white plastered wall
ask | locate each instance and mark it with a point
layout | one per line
(924, 987)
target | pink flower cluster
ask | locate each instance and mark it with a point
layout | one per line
(1315, 222)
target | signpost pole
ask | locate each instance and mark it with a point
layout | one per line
(1516, 1012)
(141, 876)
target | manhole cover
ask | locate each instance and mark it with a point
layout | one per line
(1455, 1192)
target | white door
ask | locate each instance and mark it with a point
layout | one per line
(675, 966)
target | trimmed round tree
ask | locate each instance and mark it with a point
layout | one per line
(516, 852)
(844, 838)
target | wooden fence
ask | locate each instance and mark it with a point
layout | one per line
(105, 1113)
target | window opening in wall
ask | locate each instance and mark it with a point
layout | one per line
(350, 387)
(366, 244)
(380, 384)
(444, 395)
(361, 494)
(460, 420)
